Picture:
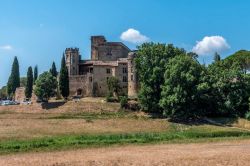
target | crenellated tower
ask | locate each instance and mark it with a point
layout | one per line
(72, 60)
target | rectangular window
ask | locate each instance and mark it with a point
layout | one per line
(90, 79)
(124, 70)
(124, 79)
(108, 71)
(132, 78)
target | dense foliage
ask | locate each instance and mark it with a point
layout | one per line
(151, 63)
(45, 86)
(242, 57)
(174, 84)
(29, 83)
(14, 79)
(64, 79)
(182, 90)
(3, 92)
(35, 74)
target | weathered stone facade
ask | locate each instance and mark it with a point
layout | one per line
(89, 77)
(20, 95)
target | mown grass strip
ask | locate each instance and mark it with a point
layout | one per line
(79, 141)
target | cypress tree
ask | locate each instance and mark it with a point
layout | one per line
(64, 79)
(29, 84)
(216, 57)
(14, 79)
(53, 70)
(35, 74)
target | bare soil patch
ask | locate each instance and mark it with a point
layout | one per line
(221, 153)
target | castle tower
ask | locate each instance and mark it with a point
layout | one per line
(72, 60)
(96, 41)
(132, 77)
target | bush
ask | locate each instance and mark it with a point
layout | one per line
(110, 98)
(124, 101)
(247, 115)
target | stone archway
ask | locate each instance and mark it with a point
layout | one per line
(79, 92)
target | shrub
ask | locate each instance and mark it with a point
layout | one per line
(247, 115)
(124, 101)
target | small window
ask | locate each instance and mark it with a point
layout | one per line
(108, 71)
(132, 78)
(124, 79)
(107, 78)
(90, 79)
(91, 70)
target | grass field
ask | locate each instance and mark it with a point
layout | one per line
(96, 124)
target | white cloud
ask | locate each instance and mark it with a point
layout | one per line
(133, 36)
(6, 47)
(211, 44)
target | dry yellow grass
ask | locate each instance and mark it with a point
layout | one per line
(206, 154)
(25, 122)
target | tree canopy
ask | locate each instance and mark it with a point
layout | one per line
(45, 86)
(182, 88)
(173, 83)
(151, 62)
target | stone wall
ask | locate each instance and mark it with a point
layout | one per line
(20, 95)
(132, 77)
(81, 85)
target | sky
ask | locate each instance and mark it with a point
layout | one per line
(38, 31)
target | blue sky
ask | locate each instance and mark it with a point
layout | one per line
(37, 32)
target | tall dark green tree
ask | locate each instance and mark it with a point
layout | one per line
(53, 70)
(64, 79)
(14, 79)
(217, 57)
(35, 74)
(29, 83)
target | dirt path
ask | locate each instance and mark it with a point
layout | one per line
(222, 153)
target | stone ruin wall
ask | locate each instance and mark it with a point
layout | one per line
(83, 83)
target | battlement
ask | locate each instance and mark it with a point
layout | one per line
(72, 50)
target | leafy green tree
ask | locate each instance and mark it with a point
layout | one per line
(113, 86)
(230, 89)
(3, 92)
(216, 57)
(14, 79)
(45, 86)
(53, 69)
(29, 84)
(150, 65)
(182, 88)
(35, 74)
(64, 79)
(241, 57)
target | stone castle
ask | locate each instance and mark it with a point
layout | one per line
(89, 77)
